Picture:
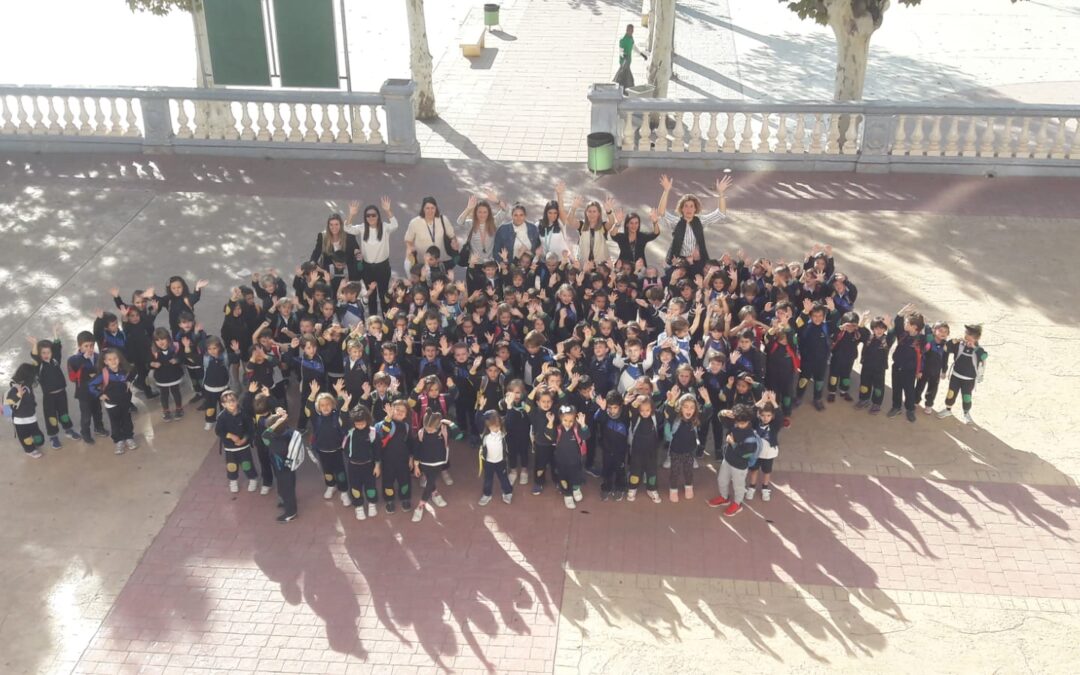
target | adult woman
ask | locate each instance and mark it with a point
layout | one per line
(688, 235)
(516, 237)
(480, 242)
(550, 226)
(335, 239)
(593, 229)
(431, 228)
(631, 240)
(375, 248)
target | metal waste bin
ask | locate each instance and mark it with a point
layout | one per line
(491, 14)
(601, 151)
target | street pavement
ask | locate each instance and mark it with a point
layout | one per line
(885, 545)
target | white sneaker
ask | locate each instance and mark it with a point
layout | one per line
(253, 485)
(417, 514)
(577, 495)
(328, 493)
(569, 502)
(36, 454)
(654, 495)
(667, 461)
(208, 426)
(264, 490)
(766, 494)
(513, 475)
(447, 479)
(673, 496)
(372, 509)
(631, 495)
(749, 494)
(346, 500)
(131, 444)
(360, 515)
(942, 414)
(437, 500)
(508, 497)
(928, 410)
(523, 477)
(234, 486)
(485, 500)
(959, 415)
(119, 448)
(966, 419)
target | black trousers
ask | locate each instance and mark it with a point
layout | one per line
(571, 474)
(928, 383)
(903, 388)
(212, 399)
(286, 489)
(545, 458)
(120, 422)
(431, 472)
(362, 483)
(840, 374)
(783, 383)
(614, 474)
(964, 388)
(237, 461)
(396, 478)
(196, 375)
(643, 465)
(519, 452)
(813, 371)
(266, 464)
(872, 386)
(493, 470)
(29, 436)
(90, 411)
(174, 390)
(379, 273)
(55, 407)
(332, 463)
(142, 371)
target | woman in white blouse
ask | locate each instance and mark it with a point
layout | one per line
(688, 235)
(479, 247)
(374, 240)
(551, 228)
(592, 229)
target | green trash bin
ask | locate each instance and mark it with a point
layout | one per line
(491, 15)
(601, 151)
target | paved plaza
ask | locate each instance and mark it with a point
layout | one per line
(887, 544)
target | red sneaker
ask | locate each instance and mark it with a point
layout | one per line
(719, 501)
(734, 508)
(787, 422)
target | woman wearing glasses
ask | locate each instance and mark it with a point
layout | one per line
(374, 247)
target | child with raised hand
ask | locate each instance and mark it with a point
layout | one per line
(740, 449)
(23, 406)
(645, 435)
(327, 436)
(236, 431)
(54, 403)
(570, 435)
(845, 348)
(613, 425)
(969, 367)
(362, 462)
(768, 432)
(684, 415)
(396, 443)
(814, 348)
(935, 364)
(516, 424)
(215, 378)
(192, 339)
(165, 361)
(278, 436)
(494, 449)
(112, 385)
(82, 367)
(431, 455)
(178, 299)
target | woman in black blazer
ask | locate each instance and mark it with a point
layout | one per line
(334, 238)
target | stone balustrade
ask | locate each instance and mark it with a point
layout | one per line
(865, 136)
(376, 126)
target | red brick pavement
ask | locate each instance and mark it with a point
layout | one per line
(224, 587)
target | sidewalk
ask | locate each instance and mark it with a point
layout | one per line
(885, 542)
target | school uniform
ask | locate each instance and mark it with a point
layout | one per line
(874, 359)
(684, 445)
(935, 360)
(494, 450)
(116, 385)
(54, 400)
(80, 371)
(277, 443)
(614, 433)
(192, 357)
(518, 438)
(643, 439)
(969, 364)
(169, 374)
(906, 365)
(731, 478)
(361, 458)
(432, 453)
(543, 433)
(569, 453)
(396, 443)
(237, 453)
(24, 418)
(327, 435)
(215, 382)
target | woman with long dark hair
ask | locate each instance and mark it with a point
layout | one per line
(630, 239)
(374, 248)
(431, 228)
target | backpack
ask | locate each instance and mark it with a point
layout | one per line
(577, 437)
(297, 450)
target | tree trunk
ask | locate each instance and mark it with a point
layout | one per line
(420, 61)
(853, 25)
(663, 32)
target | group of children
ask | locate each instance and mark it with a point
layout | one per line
(611, 369)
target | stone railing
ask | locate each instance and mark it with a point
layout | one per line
(263, 123)
(871, 137)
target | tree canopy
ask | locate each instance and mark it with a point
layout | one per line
(818, 10)
(160, 7)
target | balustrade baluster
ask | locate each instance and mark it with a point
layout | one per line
(374, 135)
(677, 134)
(711, 145)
